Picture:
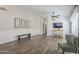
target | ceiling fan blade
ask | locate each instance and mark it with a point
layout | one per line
(3, 9)
(57, 15)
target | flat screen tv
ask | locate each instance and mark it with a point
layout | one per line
(57, 25)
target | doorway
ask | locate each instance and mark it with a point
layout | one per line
(44, 27)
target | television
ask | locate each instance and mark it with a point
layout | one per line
(57, 25)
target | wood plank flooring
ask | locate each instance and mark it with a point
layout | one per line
(36, 45)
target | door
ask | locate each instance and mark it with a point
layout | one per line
(44, 27)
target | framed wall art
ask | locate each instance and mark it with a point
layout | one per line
(28, 23)
(16, 22)
(21, 23)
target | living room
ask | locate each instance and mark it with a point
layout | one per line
(45, 25)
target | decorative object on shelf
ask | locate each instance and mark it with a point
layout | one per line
(21, 23)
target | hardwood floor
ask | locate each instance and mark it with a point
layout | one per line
(36, 45)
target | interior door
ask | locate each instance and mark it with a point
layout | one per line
(44, 26)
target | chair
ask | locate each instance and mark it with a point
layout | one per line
(70, 45)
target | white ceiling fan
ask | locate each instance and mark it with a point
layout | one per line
(55, 16)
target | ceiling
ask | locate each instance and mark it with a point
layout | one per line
(64, 10)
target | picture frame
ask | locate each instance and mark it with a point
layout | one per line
(16, 22)
(28, 23)
(23, 22)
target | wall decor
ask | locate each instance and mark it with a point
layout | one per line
(21, 23)
(16, 22)
(28, 23)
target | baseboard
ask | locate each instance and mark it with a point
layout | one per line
(9, 41)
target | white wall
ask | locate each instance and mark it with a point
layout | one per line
(78, 21)
(8, 32)
(74, 20)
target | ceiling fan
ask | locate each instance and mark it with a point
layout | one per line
(55, 16)
(1, 8)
